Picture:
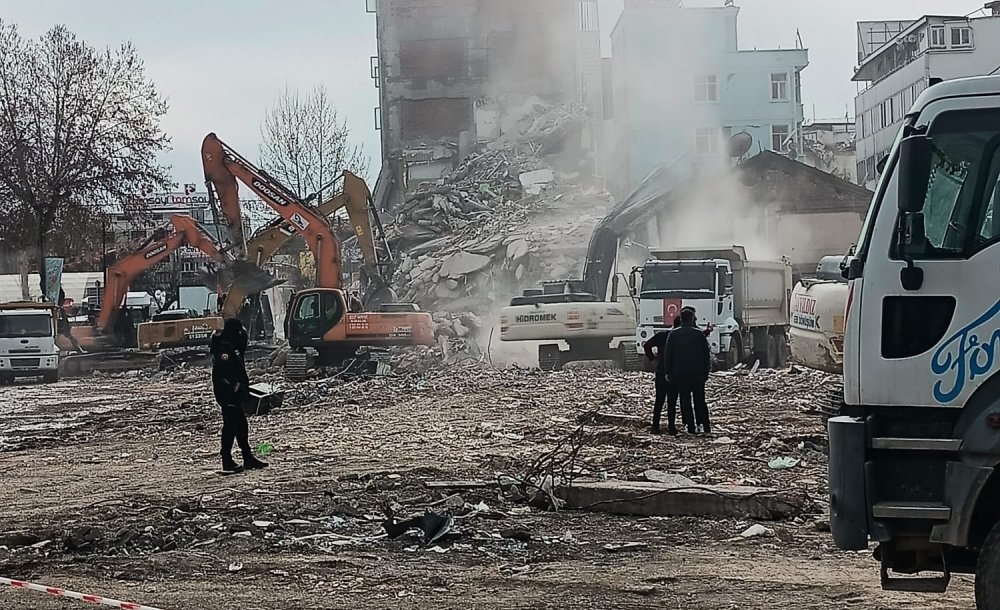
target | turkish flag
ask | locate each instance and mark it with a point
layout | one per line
(671, 309)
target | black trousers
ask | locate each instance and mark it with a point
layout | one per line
(693, 390)
(667, 392)
(234, 428)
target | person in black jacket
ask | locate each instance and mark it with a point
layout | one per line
(665, 391)
(687, 360)
(232, 391)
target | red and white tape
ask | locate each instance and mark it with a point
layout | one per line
(90, 599)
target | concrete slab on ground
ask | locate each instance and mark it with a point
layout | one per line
(676, 498)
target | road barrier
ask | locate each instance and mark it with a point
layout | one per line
(83, 597)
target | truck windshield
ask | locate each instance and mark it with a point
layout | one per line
(962, 185)
(25, 325)
(678, 281)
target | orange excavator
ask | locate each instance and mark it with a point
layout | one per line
(355, 197)
(104, 345)
(320, 318)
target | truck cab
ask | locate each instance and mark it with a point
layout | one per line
(742, 304)
(914, 456)
(28, 342)
(668, 285)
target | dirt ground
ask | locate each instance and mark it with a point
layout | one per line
(111, 487)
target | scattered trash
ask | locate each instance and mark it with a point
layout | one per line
(755, 530)
(782, 463)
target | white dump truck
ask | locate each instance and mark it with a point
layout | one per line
(914, 461)
(744, 303)
(28, 341)
(816, 333)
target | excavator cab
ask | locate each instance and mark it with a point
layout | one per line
(313, 314)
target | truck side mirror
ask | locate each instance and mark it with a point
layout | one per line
(914, 167)
(632, 282)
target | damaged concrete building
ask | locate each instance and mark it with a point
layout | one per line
(453, 74)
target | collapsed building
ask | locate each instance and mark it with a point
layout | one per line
(456, 74)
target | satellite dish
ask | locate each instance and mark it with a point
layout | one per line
(739, 144)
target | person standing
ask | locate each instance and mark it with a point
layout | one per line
(687, 360)
(232, 390)
(665, 391)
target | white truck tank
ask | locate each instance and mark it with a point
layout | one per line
(816, 335)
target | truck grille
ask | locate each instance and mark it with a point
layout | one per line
(832, 401)
(25, 363)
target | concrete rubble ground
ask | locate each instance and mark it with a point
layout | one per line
(111, 487)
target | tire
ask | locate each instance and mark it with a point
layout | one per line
(783, 351)
(51, 376)
(549, 358)
(771, 361)
(735, 353)
(7, 380)
(988, 572)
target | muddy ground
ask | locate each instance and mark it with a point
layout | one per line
(110, 486)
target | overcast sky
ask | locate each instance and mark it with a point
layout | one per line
(221, 63)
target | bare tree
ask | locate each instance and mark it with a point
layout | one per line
(305, 145)
(79, 128)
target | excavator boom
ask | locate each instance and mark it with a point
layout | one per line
(187, 232)
(354, 198)
(223, 166)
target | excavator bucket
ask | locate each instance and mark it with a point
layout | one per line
(244, 275)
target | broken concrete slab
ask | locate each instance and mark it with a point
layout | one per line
(462, 263)
(534, 182)
(649, 498)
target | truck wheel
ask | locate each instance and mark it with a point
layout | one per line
(549, 358)
(988, 572)
(7, 380)
(771, 361)
(783, 350)
(735, 353)
(51, 376)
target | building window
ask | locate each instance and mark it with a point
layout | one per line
(779, 86)
(798, 87)
(779, 135)
(961, 37)
(883, 115)
(707, 141)
(937, 36)
(861, 172)
(706, 88)
(863, 128)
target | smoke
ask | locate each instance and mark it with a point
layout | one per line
(719, 213)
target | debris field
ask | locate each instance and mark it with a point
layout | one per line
(111, 488)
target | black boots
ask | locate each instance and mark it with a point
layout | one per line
(229, 466)
(252, 463)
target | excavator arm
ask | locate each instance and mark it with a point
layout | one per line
(187, 232)
(224, 166)
(276, 234)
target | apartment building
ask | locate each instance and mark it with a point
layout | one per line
(899, 59)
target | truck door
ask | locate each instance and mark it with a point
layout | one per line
(937, 337)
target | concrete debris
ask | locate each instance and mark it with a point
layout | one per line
(507, 218)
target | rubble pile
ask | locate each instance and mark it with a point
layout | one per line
(504, 219)
(456, 344)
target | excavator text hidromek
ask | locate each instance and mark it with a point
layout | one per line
(320, 320)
